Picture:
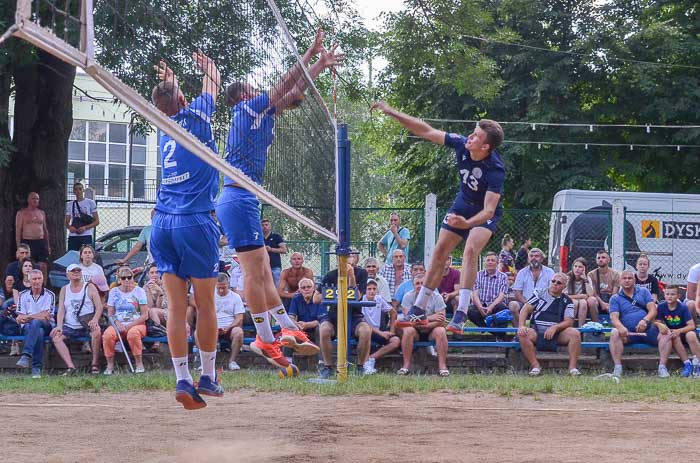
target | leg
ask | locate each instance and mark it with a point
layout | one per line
(407, 338)
(190, 317)
(514, 307)
(326, 333)
(677, 345)
(393, 344)
(528, 346)
(109, 340)
(134, 336)
(439, 335)
(446, 243)
(665, 346)
(571, 338)
(260, 292)
(477, 239)
(581, 309)
(693, 343)
(236, 343)
(96, 342)
(63, 351)
(617, 346)
(592, 304)
(176, 290)
(363, 332)
(207, 332)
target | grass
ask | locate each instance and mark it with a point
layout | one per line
(631, 388)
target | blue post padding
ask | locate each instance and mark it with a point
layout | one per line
(343, 247)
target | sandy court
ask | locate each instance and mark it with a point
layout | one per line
(261, 427)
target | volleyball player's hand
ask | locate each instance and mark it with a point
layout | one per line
(164, 72)
(382, 106)
(203, 62)
(332, 57)
(317, 46)
(457, 221)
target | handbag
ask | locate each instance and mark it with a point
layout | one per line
(155, 330)
(82, 219)
(85, 318)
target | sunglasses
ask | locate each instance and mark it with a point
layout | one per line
(557, 282)
(126, 278)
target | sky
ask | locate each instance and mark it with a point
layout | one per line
(370, 9)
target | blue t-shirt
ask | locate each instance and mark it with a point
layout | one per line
(252, 132)
(189, 185)
(478, 177)
(631, 310)
(674, 319)
(306, 311)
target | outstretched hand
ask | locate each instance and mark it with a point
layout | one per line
(317, 46)
(382, 106)
(332, 57)
(203, 62)
(164, 72)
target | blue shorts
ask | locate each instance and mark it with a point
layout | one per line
(185, 245)
(651, 337)
(73, 333)
(379, 340)
(543, 344)
(238, 212)
(467, 210)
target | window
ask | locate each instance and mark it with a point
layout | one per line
(139, 188)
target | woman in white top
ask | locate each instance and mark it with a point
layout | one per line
(92, 271)
(128, 304)
(581, 292)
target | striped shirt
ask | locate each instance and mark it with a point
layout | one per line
(490, 286)
(389, 275)
(29, 304)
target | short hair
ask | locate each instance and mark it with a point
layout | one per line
(563, 276)
(416, 264)
(534, 250)
(265, 221)
(601, 252)
(164, 96)
(222, 278)
(626, 271)
(36, 271)
(371, 260)
(645, 257)
(494, 132)
(371, 281)
(396, 214)
(420, 275)
(78, 183)
(398, 250)
(24, 246)
(676, 287)
(490, 253)
(234, 92)
(305, 280)
(121, 269)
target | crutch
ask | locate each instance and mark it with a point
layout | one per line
(112, 322)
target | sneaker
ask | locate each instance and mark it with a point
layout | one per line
(24, 361)
(456, 326)
(108, 372)
(140, 370)
(272, 352)
(298, 341)
(36, 373)
(535, 372)
(233, 366)
(415, 316)
(14, 349)
(432, 351)
(696, 368)
(369, 369)
(687, 369)
(187, 395)
(575, 372)
(663, 372)
(617, 371)
(370, 363)
(403, 372)
(291, 360)
(326, 372)
(206, 386)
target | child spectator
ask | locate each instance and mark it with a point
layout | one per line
(383, 328)
(674, 317)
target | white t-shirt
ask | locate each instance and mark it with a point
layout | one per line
(29, 304)
(227, 307)
(90, 271)
(127, 305)
(71, 303)
(87, 206)
(694, 274)
(373, 315)
(435, 304)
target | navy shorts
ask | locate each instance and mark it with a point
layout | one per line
(379, 340)
(39, 250)
(238, 212)
(73, 333)
(467, 210)
(543, 344)
(651, 337)
(185, 245)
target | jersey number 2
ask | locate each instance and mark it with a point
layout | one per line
(169, 150)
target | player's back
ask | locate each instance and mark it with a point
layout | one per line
(188, 185)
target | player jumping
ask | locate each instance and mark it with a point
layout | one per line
(251, 134)
(184, 237)
(474, 214)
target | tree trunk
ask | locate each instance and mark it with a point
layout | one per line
(43, 122)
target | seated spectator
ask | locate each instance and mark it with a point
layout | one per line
(307, 312)
(490, 289)
(8, 325)
(417, 268)
(143, 240)
(372, 267)
(604, 281)
(26, 266)
(551, 314)
(449, 285)
(230, 313)
(506, 259)
(35, 315)
(290, 277)
(692, 295)
(535, 276)
(127, 304)
(31, 229)
(396, 272)
(644, 279)
(157, 302)
(78, 298)
(92, 271)
(383, 327)
(433, 330)
(6, 293)
(632, 314)
(81, 218)
(581, 292)
(23, 252)
(357, 270)
(673, 318)
(331, 278)
(510, 296)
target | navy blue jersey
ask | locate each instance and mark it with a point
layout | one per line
(252, 132)
(189, 185)
(478, 177)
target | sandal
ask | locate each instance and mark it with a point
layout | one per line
(444, 373)
(403, 371)
(69, 372)
(95, 370)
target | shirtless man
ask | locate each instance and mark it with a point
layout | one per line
(289, 280)
(31, 229)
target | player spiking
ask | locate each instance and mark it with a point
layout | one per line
(475, 211)
(250, 136)
(184, 237)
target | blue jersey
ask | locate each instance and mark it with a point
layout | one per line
(189, 185)
(252, 132)
(477, 177)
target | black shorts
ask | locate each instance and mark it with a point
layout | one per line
(467, 210)
(39, 250)
(543, 344)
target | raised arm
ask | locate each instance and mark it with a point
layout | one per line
(416, 126)
(212, 78)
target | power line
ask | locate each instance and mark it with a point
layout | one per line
(591, 127)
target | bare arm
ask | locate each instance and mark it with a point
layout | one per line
(46, 234)
(490, 204)
(519, 296)
(282, 287)
(524, 315)
(416, 126)
(61, 313)
(212, 78)
(132, 252)
(477, 300)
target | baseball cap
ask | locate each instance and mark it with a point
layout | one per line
(72, 267)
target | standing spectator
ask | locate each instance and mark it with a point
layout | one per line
(506, 260)
(31, 229)
(644, 279)
(490, 289)
(581, 292)
(449, 285)
(533, 277)
(289, 280)
(230, 313)
(306, 312)
(126, 302)
(91, 270)
(521, 259)
(692, 298)
(35, 315)
(434, 330)
(275, 245)
(81, 218)
(551, 325)
(396, 272)
(383, 327)
(604, 280)
(632, 314)
(397, 237)
(372, 267)
(417, 268)
(78, 298)
(674, 318)
(23, 252)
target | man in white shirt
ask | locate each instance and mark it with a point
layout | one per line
(691, 296)
(535, 276)
(230, 312)
(81, 218)
(383, 333)
(35, 315)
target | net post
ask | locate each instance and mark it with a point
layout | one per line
(343, 248)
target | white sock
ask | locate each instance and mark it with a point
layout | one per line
(465, 298)
(182, 369)
(262, 326)
(424, 297)
(208, 360)
(280, 315)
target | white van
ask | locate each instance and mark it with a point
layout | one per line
(665, 226)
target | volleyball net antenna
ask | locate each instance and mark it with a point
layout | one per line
(120, 43)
